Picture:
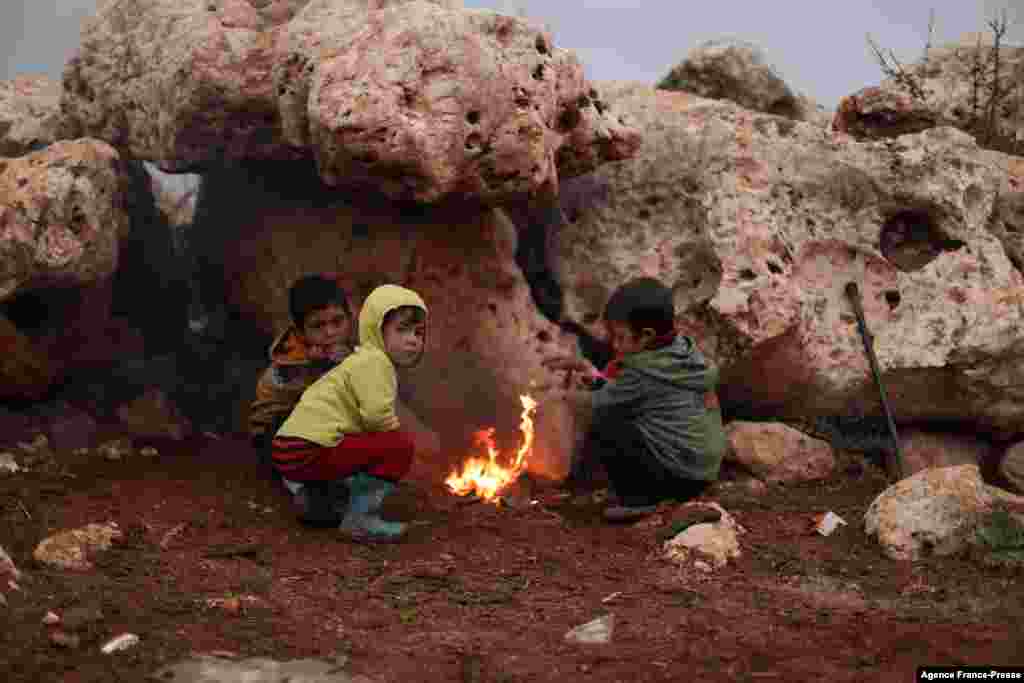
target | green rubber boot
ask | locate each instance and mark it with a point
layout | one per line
(361, 522)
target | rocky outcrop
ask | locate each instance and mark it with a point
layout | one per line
(418, 99)
(737, 71)
(486, 338)
(758, 223)
(948, 93)
(778, 453)
(30, 116)
(61, 220)
(922, 449)
(934, 512)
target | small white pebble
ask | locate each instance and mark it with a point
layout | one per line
(121, 642)
(149, 452)
(50, 619)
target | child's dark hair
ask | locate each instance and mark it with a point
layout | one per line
(418, 314)
(642, 302)
(313, 292)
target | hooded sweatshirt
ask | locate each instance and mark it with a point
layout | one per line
(292, 370)
(668, 394)
(359, 395)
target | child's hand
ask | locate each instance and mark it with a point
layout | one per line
(564, 363)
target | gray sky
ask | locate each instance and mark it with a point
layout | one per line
(818, 46)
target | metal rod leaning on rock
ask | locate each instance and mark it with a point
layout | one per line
(853, 293)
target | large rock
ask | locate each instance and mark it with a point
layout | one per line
(758, 223)
(935, 512)
(419, 99)
(62, 216)
(950, 95)
(778, 453)
(923, 449)
(737, 71)
(486, 338)
(30, 116)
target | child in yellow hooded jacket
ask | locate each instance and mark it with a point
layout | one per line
(345, 426)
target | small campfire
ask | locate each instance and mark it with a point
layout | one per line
(484, 475)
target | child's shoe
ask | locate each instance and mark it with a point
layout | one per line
(316, 504)
(361, 522)
(630, 509)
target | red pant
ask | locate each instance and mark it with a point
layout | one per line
(387, 455)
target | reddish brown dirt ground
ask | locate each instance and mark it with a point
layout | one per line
(478, 592)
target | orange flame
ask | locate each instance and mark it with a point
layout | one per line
(484, 475)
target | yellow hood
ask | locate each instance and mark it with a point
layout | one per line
(382, 300)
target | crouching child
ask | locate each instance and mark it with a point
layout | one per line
(653, 416)
(345, 427)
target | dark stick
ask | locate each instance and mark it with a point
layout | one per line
(869, 347)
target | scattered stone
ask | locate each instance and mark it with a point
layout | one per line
(776, 452)
(710, 544)
(116, 449)
(8, 463)
(72, 549)
(211, 669)
(827, 522)
(596, 632)
(39, 444)
(66, 640)
(148, 452)
(51, 619)
(119, 643)
(934, 512)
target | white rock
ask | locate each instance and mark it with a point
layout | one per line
(8, 463)
(934, 512)
(596, 632)
(712, 543)
(50, 619)
(121, 642)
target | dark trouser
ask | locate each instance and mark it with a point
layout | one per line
(636, 474)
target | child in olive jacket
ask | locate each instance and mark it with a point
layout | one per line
(654, 420)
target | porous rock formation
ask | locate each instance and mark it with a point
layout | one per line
(61, 219)
(758, 223)
(738, 71)
(418, 99)
(955, 84)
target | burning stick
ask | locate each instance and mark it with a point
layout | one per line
(485, 476)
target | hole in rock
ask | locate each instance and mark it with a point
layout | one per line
(910, 240)
(40, 312)
(541, 45)
(538, 73)
(473, 117)
(748, 274)
(774, 267)
(892, 297)
(544, 336)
